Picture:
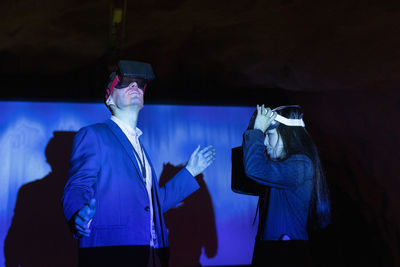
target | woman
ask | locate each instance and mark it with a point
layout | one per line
(279, 154)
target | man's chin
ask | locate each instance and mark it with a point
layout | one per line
(137, 103)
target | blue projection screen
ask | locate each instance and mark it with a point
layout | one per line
(214, 227)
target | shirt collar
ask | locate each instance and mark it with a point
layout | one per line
(126, 128)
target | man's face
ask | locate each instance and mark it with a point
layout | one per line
(130, 95)
(274, 144)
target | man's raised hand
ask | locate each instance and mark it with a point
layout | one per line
(200, 160)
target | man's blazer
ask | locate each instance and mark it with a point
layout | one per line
(103, 166)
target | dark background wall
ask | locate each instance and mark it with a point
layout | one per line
(339, 60)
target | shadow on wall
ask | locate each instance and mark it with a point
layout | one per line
(191, 224)
(39, 235)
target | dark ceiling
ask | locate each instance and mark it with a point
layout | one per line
(209, 52)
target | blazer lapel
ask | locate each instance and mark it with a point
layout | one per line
(119, 134)
(153, 174)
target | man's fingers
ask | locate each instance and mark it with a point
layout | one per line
(84, 219)
(81, 222)
(209, 156)
(210, 160)
(84, 212)
(206, 149)
(83, 233)
(209, 152)
(80, 227)
(82, 215)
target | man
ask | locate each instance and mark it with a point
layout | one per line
(112, 200)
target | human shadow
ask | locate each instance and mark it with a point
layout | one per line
(38, 235)
(191, 224)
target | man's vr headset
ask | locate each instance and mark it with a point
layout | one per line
(129, 72)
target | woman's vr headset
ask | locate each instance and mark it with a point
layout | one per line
(286, 121)
(279, 119)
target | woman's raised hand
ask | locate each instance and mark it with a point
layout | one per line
(265, 116)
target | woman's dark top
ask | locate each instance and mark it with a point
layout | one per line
(290, 182)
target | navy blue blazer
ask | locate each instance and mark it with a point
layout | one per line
(103, 166)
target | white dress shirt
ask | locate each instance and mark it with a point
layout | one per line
(133, 137)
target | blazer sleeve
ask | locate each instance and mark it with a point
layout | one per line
(84, 168)
(279, 174)
(177, 189)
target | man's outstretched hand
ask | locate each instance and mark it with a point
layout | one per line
(82, 219)
(200, 160)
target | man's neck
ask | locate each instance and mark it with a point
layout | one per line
(129, 116)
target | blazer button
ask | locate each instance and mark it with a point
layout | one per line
(147, 208)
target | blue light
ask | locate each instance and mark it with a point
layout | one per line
(171, 133)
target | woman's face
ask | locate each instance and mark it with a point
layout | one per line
(274, 144)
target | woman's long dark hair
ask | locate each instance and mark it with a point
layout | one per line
(296, 140)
